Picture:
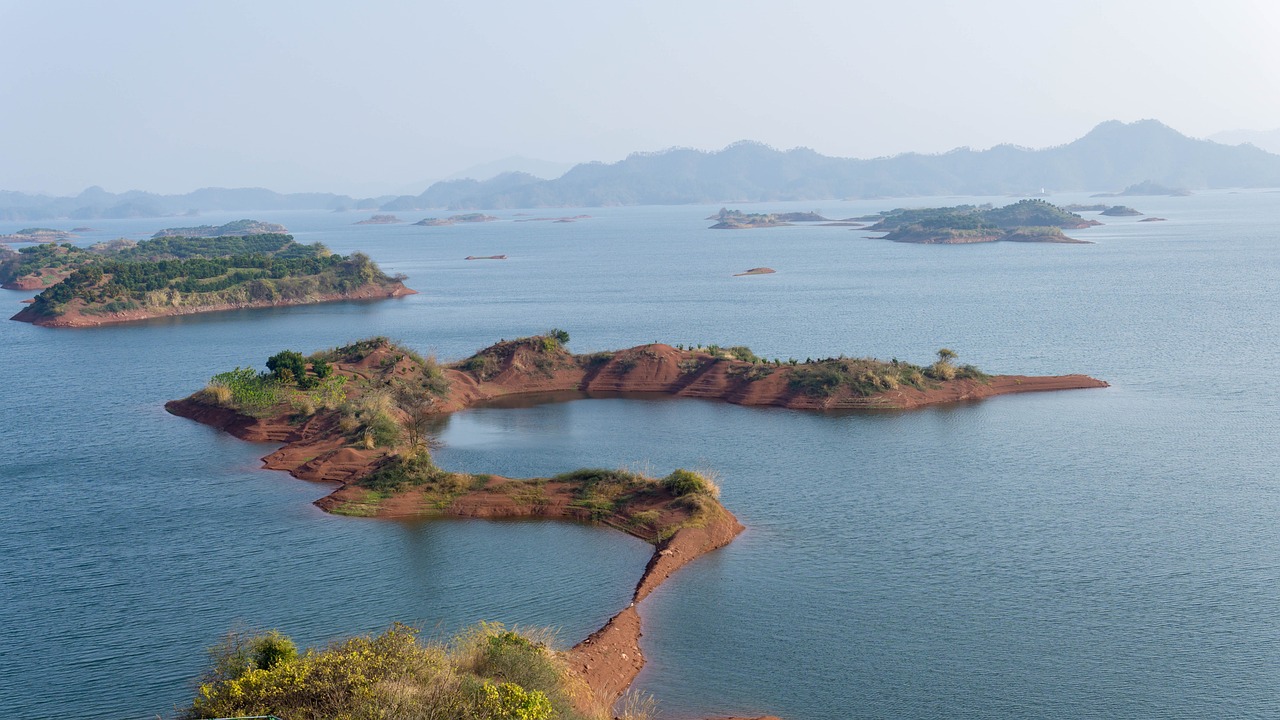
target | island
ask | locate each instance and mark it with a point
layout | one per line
(1147, 187)
(485, 257)
(360, 416)
(756, 271)
(567, 219)
(235, 228)
(1153, 219)
(1024, 221)
(37, 235)
(380, 220)
(455, 219)
(738, 220)
(124, 281)
(1120, 211)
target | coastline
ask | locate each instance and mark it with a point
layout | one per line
(75, 319)
(610, 658)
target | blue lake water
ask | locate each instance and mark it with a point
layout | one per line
(1086, 554)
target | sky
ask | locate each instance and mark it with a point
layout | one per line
(383, 97)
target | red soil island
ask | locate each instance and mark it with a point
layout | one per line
(359, 418)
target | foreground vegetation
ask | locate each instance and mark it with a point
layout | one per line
(485, 673)
(171, 273)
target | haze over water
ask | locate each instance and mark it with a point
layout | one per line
(1094, 554)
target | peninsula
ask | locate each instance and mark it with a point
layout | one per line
(359, 415)
(123, 281)
(1023, 221)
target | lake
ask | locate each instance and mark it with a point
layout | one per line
(1083, 554)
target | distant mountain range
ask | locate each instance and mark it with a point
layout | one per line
(1112, 156)
(1268, 140)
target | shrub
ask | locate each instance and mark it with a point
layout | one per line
(687, 482)
(287, 361)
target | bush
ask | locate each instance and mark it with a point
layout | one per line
(287, 361)
(687, 482)
(485, 673)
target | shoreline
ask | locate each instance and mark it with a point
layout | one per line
(76, 319)
(610, 658)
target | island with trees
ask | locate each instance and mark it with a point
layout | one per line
(234, 228)
(1024, 221)
(728, 219)
(455, 219)
(123, 280)
(37, 235)
(361, 416)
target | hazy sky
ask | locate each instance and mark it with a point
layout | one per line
(364, 97)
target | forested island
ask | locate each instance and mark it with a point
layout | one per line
(123, 280)
(737, 220)
(36, 235)
(237, 227)
(360, 415)
(1023, 221)
(455, 219)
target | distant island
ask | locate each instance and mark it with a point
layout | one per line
(565, 219)
(1023, 221)
(380, 220)
(455, 219)
(123, 281)
(359, 415)
(1120, 211)
(37, 235)
(756, 271)
(485, 257)
(236, 228)
(1147, 187)
(738, 220)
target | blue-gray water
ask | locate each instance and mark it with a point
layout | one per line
(1086, 554)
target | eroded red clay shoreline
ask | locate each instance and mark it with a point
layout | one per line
(610, 659)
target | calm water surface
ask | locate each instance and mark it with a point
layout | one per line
(1089, 554)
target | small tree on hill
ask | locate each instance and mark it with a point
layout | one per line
(287, 366)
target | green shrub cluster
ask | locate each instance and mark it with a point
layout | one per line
(686, 482)
(245, 389)
(486, 673)
(863, 376)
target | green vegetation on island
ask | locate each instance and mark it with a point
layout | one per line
(237, 227)
(1120, 211)
(1023, 221)
(486, 672)
(37, 235)
(185, 274)
(737, 220)
(455, 219)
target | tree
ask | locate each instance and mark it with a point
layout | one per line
(946, 355)
(287, 365)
